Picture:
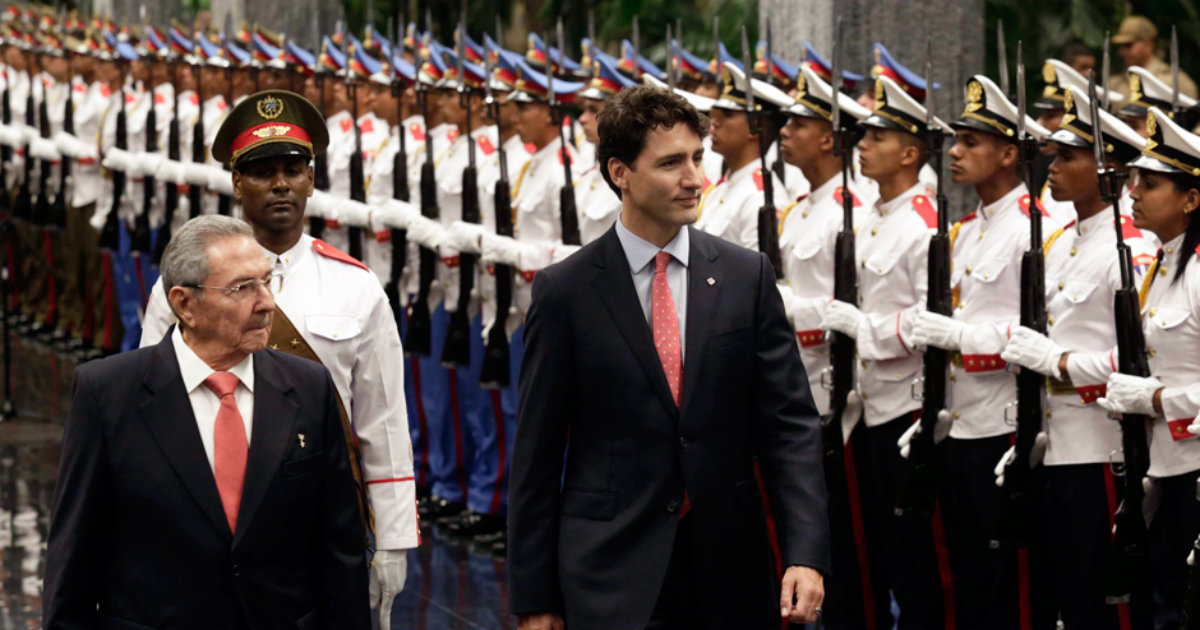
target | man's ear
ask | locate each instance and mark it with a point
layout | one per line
(308, 189)
(182, 301)
(237, 185)
(909, 155)
(619, 172)
(1008, 154)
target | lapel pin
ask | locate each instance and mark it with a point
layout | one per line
(711, 282)
(301, 436)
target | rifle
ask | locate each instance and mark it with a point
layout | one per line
(569, 218)
(23, 208)
(768, 231)
(495, 371)
(110, 235)
(139, 239)
(778, 166)
(358, 188)
(316, 225)
(1031, 386)
(1001, 56)
(225, 202)
(58, 211)
(199, 155)
(456, 351)
(5, 150)
(845, 284)
(1128, 579)
(918, 495)
(171, 202)
(399, 238)
(419, 324)
(41, 215)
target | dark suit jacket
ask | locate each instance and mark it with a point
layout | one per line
(139, 539)
(596, 547)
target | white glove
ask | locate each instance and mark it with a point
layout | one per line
(220, 180)
(1033, 350)
(195, 173)
(350, 213)
(1036, 454)
(466, 237)
(170, 171)
(1130, 394)
(788, 296)
(561, 252)
(121, 160)
(940, 431)
(10, 136)
(426, 232)
(1005, 460)
(939, 331)
(44, 149)
(843, 317)
(389, 569)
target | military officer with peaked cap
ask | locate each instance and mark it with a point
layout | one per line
(986, 250)
(1146, 91)
(730, 208)
(891, 247)
(329, 308)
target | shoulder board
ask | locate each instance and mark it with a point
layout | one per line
(707, 184)
(452, 135)
(105, 91)
(837, 195)
(565, 151)
(1127, 229)
(1024, 203)
(925, 209)
(758, 178)
(129, 98)
(417, 132)
(1198, 250)
(346, 124)
(368, 126)
(159, 99)
(195, 99)
(530, 148)
(223, 105)
(79, 87)
(329, 251)
(485, 145)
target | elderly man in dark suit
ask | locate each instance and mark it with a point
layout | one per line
(664, 357)
(205, 481)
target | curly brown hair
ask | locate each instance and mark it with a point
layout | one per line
(633, 113)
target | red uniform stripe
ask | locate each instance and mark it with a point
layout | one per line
(860, 534)
(392, 480)
(942, 551)
(501, 453)
(456, 414)
(1110, 493)
(423, 426)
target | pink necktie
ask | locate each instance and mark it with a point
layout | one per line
(229, 445)
(665, 322)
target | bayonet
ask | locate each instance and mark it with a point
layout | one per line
(1097, 132)
(767, 56)
(670, 60)
(637, 48)
(718, 71)
(1105, 69)
(753, 119)
(1174, 70)
(835, 81)
(1002, 54)
(1020, 93)
(550, 95)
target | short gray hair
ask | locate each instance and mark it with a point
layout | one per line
(185, 261)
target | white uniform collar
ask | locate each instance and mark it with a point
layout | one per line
(1094, 223)
(1010, 199)
(745, 171)
(826, 190)
(900, 201)
(194, 370)
(1171, 247)
(282, 263)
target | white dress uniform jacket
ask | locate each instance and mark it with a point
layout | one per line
(730, 208)
(598, 205)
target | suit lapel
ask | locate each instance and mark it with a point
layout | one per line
(615, 286)
(703, 298)
(274, 420)
(168, 414)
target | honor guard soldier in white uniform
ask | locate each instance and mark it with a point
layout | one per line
(730, 208)
(1165, 198)
(535, 191)
(398, 113)
(891, 247)
(808, 231)
(784, 76)
(1078, 496)
(986, 250)
(598, 205)
(1146, 91)
(329, 308)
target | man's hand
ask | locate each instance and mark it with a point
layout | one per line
(939, 331)
(803, 592)
(1031, 349)
(541, 621)
(1130, 394)
(843, 317)
(389, 568)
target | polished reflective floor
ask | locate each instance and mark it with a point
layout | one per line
(448, 586)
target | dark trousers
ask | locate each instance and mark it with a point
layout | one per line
(910, 557)
(995, 588)
(1173, 531)
(677, 607)
(856, 593)
(1078, 503)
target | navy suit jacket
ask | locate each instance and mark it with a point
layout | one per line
(592, 525)
(139, 539)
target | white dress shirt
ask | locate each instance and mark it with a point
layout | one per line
(640, 254)
(205, 402)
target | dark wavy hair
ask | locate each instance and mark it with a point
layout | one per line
(633, 113)
(1191, 235)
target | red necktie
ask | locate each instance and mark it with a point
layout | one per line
(665, 322)
(229, 445)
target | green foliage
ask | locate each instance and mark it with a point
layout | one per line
(1045, 27)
